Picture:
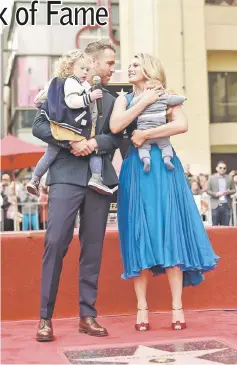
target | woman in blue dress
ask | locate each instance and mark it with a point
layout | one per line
(159, 225)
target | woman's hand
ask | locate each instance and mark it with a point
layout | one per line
(150, 96)
(138, 138)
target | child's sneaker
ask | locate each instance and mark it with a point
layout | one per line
(95, 183)
(33, 187)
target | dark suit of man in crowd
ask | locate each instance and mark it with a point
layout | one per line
(220, 188)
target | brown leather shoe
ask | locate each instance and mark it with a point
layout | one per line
(45, 331)
(91, 327)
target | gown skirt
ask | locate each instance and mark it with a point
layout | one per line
(159, 223)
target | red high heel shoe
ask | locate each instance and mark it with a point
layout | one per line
(142, 326)
(177, 326)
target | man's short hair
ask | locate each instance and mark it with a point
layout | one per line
(221, 162)
(97, 46)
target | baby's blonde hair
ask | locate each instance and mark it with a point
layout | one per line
(152, 68)
(64, 65)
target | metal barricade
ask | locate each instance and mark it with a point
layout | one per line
(234, 210)
(233, 218)
(34, 215)
(208, 213)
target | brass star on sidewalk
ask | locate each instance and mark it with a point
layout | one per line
(148, 355)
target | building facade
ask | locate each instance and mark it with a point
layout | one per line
(34, 50)
(195, 40)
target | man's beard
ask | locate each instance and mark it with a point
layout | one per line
(100, 73)
(104, 79)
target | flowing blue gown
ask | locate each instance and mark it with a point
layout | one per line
(159, 224)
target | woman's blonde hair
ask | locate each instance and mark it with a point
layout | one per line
(152, 68)
(64, 65)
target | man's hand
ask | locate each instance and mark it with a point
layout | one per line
(84, 147)
(219, 194)
(92, 144)
(78, 147)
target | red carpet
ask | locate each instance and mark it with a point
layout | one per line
(19, 346)
(211, 336)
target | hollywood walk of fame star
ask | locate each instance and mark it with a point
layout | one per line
(148, 355)
(121, 92)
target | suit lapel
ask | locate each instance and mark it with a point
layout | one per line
(101, 121)
(227, 182)
(217, 183)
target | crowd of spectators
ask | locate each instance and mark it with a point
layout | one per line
(23, 211)
(222, 2)
(199, 185)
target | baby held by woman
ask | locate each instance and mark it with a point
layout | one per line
(154, 116)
